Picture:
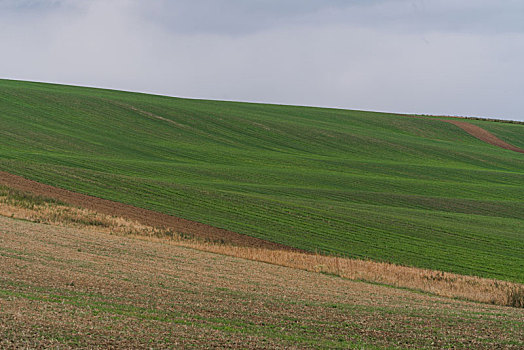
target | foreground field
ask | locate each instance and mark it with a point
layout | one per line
(80, 288)
(413, 191)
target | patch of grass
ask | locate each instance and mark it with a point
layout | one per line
(515, 297)
(24, 199)
(411, 191)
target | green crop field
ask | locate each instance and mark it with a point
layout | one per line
(512, 133)
(414, 191)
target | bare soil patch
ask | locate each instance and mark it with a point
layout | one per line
(143, 216)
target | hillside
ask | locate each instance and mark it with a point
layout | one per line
(76, 288)
(411, 190)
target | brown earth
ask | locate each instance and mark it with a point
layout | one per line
(483, 135)
(67, 288)
(143, 216)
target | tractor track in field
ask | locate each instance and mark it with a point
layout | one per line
(483, 135)
(143, 216)
(475, 131)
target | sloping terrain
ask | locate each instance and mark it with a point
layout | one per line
(484, 135)
(63, 287)
(414, 191)
(508, 132)
(23, 205)
(144, 216)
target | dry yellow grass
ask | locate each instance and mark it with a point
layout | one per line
(12, 204)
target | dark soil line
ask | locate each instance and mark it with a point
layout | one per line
(143, 216)
(483, 135)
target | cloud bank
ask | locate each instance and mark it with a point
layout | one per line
(434, 57)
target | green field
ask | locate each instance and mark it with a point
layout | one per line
(415, 191)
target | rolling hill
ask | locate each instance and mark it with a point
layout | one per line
(411, 190)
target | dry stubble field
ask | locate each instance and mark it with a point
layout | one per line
(70, 287)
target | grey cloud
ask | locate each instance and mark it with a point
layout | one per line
(233, 17)
(19, 7)
(238, 17)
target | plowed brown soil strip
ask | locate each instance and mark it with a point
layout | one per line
(483, 135)
(144, 216)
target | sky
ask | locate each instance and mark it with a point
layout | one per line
(443, 57)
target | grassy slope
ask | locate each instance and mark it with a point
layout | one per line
(413, 191)
(511, 133)
(68, 288)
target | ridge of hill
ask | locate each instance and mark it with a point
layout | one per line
(413, 191)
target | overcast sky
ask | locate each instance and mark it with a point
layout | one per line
(453, 57)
